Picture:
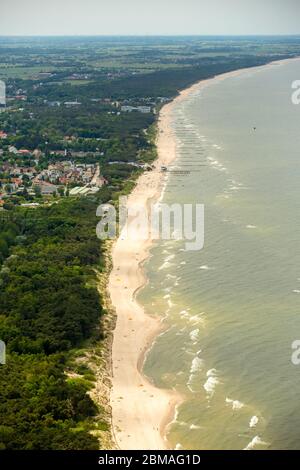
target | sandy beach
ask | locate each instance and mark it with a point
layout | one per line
(141, 411)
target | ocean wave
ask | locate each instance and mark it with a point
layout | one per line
(199, 318)
(211, 373)
(253, 421)
(235, 404)
(170, 303)
(194, 335)
(180, 332)
(195, 426)
(168, 289)
(184, 312)
(196, 367)
(171, 276)
(169, 258)
(165, 265)
(212, 382)
(256, 441)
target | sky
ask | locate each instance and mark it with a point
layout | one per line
(149, 17)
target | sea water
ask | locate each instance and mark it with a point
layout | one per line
(231, 310)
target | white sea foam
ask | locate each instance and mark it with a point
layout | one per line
(187, 351)
(210, 385)
(169, 258)
(179, 333)
(196, 367)
(251, 226)
(235, 404)
(297, 291)
(168, 289)
(194, 335)
(256, 441)
(195, 426)
(170, 276)
(204, 267)
(165, 265)
(211, 372)
(253, 421)
(212, 382)
(176, 414)
(169, 301)
(197, 318)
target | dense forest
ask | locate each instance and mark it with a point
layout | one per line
(47, 308)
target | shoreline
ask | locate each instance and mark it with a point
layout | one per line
(141, 412)
(137, 405)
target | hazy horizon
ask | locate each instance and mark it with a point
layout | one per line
(144, 18)
(147, 35)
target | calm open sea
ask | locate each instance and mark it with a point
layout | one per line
(232, 309)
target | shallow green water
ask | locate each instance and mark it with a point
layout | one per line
(232, 309)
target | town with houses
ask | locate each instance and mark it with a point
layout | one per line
(67, 173)
(60, 178)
